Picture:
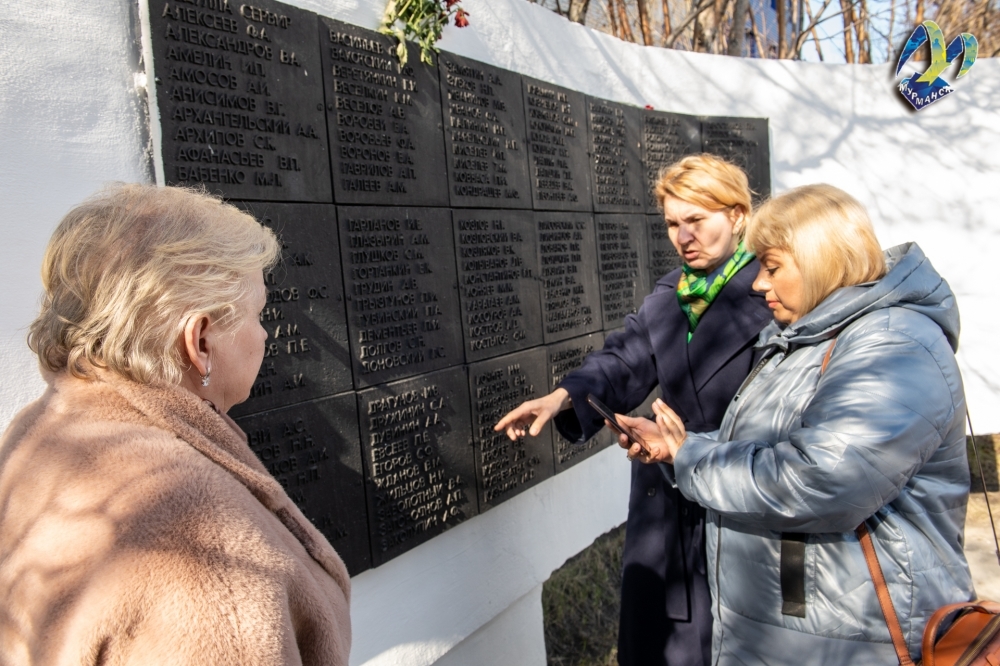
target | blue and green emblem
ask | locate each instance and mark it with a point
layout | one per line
(929, 87)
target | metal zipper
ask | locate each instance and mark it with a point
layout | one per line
(984, 637)
(746, 382)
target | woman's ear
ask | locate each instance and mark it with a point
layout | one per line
(738, 216)
(196, 344)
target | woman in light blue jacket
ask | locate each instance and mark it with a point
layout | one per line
(805, 455)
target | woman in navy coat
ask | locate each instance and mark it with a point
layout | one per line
(693, 337)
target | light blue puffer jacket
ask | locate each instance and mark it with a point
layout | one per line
(879, 437)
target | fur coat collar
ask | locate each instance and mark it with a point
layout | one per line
(137, 526)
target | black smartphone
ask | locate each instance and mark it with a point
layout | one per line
(609, 415)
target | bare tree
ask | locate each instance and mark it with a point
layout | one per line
(858, 31)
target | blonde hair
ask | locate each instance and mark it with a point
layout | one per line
(707, 181)
(126, 269)
(827, 232)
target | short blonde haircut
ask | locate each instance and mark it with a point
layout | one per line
(827, 232)
(126, 269)
(707, 181)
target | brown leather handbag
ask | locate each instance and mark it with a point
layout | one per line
(973, 639)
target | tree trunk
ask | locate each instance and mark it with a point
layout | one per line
(861, 29)
(782, 24)
(578, 11)
(623, 20)
(920, 11)
(848, 17)
(647, 31)
(738, 30)
(667, 24)
(612, 11)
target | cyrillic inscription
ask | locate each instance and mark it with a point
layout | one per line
(497, 386)
(571, 304)
(484, 134)
(557, 146)
(498, 281)
(563, 358)
(743, 141)
(399, 277)
(624, 282)
(306, 354)
(240, 99)
(416, 436)
(663, 257)
(666, 138)
(616, 157)
(384, 120)
(313, 450)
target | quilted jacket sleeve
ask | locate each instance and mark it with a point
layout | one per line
(621, 376)
(889, 398)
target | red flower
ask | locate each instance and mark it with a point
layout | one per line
(450, 3)
(460, 18)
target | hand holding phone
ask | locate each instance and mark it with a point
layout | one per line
(609, 416)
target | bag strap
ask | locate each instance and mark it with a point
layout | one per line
(982, 477)
(882, 592)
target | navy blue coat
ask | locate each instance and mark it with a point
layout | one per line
(666, 613)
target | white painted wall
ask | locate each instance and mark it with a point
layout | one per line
(71, 119)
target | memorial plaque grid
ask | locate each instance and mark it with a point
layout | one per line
(313, 450)
(420, 471)
(617, 176)
(563, 358)
(506, 467)
(497, 257)
(621, 266)
(666, 138)
(567, 251)
(384, 120)
(743, 141)
(402, 291)
(484, 134)
(306, 354)
(239, 91)
(290, 112)
(663, 257)
(558, 157)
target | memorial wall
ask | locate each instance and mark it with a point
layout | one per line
(456, 239)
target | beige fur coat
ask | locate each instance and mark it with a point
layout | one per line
(137, 527)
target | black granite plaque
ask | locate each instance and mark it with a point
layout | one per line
(563, 358)
(621, 241)
(239, 90)
(419, 465)
(567, 254)
(307, 354)
(402, 292)
(666, 138)
(616, 157)
(496, 386)
(557, 146)
(663, 257)
(384, 120)
(743, 141)
(497, 258)
(313, 450)
(484, 134)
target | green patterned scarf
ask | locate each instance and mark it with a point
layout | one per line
(695, 294)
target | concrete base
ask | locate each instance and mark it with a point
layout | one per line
(515, 636)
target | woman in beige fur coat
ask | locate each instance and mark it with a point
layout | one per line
(136, 525)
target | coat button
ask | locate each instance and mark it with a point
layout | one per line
(651, 492)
